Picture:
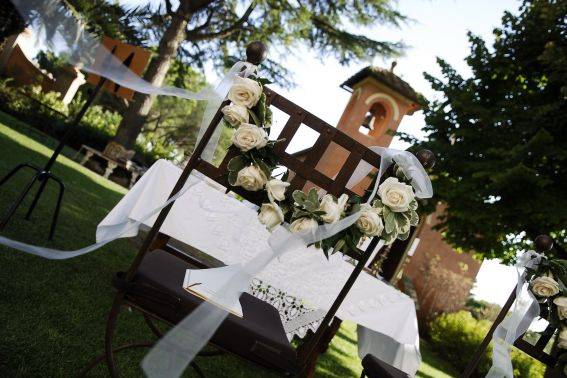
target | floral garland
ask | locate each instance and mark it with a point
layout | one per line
(547, 284)
(389, 217)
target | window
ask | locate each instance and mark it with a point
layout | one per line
(375, 120)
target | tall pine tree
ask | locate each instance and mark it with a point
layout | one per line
(501, 135)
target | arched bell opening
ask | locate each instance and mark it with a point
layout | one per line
(376, 119)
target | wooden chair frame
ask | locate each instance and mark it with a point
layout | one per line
(542, 244)
(304, 171)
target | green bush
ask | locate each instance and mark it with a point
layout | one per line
(46, 112)
(456, 337)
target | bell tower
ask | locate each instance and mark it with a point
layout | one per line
(378, 102)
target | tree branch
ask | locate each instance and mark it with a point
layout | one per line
(204, 24)
(225, 32)
(168, 9)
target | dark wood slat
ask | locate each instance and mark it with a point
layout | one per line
(318, 149)
(531, 350)
(346, 172)
(297, 183)
(546, 335)
(289, 130)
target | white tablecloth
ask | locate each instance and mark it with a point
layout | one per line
(228, 230)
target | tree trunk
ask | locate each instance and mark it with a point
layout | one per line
(135, 117)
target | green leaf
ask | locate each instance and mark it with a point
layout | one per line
(355, 208)
(299, 213)
(263, 81)
(404, 236)
(355, 199)
(414, 218)
(268, 119)
(299, 197)
(261, 110)
(255, 118)
(312, 196)
(401, 219)
(310, 206)
(237, 163)
(232, 175)
(390, 220)
(413, 204)
(264, 167)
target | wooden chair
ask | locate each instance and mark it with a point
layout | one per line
(372, 367)
(153, 282)
(543, 243)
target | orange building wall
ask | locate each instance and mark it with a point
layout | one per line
(441, 276)
(365, 94)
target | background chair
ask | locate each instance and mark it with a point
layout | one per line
(372, 367)
(543, 243)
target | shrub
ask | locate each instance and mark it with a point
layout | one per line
(456, 336)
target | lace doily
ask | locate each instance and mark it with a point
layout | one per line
(297, 317)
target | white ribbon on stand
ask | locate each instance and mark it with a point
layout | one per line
(526, 309)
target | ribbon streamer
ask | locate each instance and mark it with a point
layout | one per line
(526, 309)
(55, 27)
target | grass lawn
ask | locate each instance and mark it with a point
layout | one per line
(54, 312)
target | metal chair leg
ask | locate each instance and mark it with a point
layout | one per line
(110, 328)
(17, 203)
(57, 206)
(16, 169)
(43, 179)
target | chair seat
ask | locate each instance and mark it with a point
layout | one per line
(375, 368)
(258, 336)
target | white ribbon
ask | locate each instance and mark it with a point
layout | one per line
(54, 26)
(526, 309)
(409, 164)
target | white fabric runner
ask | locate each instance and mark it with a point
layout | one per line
(220, 225)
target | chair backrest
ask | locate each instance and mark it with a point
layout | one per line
(536, 350)
(303, 169)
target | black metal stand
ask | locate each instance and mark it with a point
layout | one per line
(43, 175)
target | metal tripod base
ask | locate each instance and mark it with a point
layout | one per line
(42, 176)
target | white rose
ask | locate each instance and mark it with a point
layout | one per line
(235, 114)
(370, 223)
(333, 210)
(303, 225)
(270, 215)
(245, 92)
(561, 304)
(276, 189)
(562, 339)
(251, 178)
(545, 286)
(396, 195)
(249, 136)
